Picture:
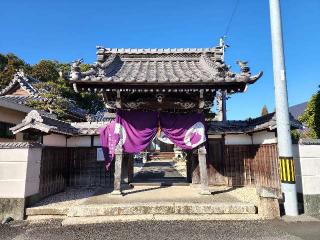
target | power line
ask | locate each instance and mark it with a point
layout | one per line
(231, 18)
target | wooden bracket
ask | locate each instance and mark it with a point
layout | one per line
(118, 101)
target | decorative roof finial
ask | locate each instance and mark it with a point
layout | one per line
(33, 116)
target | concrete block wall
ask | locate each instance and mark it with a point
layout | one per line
(19, 178)
(307, 172)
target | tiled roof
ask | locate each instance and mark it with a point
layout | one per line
(297, 110)
(35, 121)
(16, 99)
(216, 50)
(23, 81)
(8, 145)
(18, 103)
(309, 141)
(26, 82)
(267, 122)
(89, 128)
(161, 66)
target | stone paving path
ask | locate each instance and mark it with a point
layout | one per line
(162, 171)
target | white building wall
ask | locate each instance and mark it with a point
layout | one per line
(307, 166)
(215, 136)
(238, 139)
(33, 171)
(264, 137)
(96, 141)
(19, 172)
(54, 140)
(81, 141)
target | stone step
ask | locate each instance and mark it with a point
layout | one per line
(69, 221)
(167, 208)
(159, 183)
(36, 211)
(162, 155)
(146, 208)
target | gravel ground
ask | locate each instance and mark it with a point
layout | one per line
(164, 230)
(70, 197)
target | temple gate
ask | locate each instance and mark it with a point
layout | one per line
(179, 82)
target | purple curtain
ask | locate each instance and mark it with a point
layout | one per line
(184, 130)
(108, 140)
(136, 129)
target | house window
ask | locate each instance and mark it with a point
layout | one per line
(5, 131)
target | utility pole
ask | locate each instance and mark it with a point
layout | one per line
(286, 165)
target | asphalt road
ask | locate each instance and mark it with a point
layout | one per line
(163, 230)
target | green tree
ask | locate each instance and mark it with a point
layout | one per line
(311, 116)
(53, 100)
(55, 89)
(9, 65)
(90, 101)
(46, 71)
(264, 111)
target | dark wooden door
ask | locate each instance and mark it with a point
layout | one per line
(215, 162)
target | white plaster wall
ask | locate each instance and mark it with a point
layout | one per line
(96, 141)
(237, 139)
(54, 140)
(307, 168)
(264, 137)
(11, 116)
(19, 172)
(214, 136)
(83, 141)
(33, 171)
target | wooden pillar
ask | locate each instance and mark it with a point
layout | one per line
(118, 170)
(202, 152)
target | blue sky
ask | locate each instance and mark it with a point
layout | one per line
(67, 30)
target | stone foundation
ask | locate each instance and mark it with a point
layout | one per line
(268, 204)
(268, 208)
(12, 207)
(310, 203)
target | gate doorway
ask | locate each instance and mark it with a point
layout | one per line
(164, 147)
(161, 165)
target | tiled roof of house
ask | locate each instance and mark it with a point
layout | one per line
(25, 82)
(16, 99)
(8, 145)
(34, 121)
(298, 109)
(18, 103)
(267, 122)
